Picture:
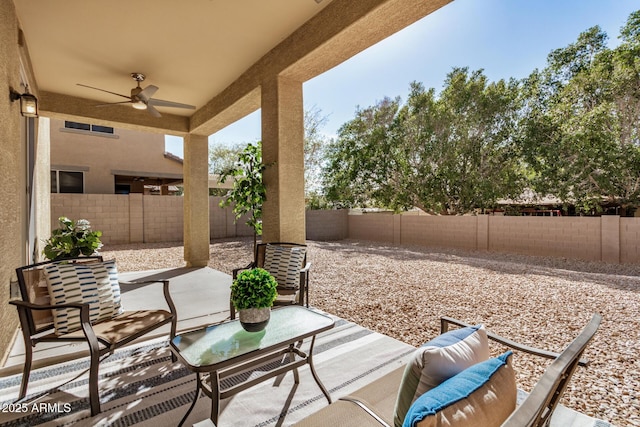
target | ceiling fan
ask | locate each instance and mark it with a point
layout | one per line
(141, 99)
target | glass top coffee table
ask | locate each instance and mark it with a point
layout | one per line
(220, 351)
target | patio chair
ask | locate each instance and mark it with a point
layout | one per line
(84, 306)
(292, 275)
(375, 404)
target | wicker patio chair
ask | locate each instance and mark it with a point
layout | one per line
(36, 313)
(293, 292)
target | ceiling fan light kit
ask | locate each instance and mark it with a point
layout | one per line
(141, 99)
(139, 105)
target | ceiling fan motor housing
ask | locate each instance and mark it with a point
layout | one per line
(139, 77)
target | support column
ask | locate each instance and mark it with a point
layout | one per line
(40, 215)
(283, 213)
(196, 200)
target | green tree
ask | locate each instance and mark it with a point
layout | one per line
(314, 153)
(351, 176)
(248, 192)
(462, 155)
(580, 130)
(446, 154)
(223, 157)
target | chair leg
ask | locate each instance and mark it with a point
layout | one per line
(26, 371)
(232, 311)
(94, 396)
(94, 351)
(28, 352)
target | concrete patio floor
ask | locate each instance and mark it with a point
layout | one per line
(201, 296)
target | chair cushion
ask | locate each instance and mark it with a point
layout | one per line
(482, 395)
(126, 325)
(92, 283)
(438, 360)
(112, 270)
(284, 263)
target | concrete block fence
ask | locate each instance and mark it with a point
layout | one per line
(607, 238)
(136, 218)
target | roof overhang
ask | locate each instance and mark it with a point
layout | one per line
(212, 54)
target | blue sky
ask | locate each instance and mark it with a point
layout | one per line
(506, 38)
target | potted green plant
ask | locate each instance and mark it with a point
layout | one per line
(253, 293)
(248, 192)
(72, 239)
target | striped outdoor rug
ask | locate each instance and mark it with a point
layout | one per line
(141, 386)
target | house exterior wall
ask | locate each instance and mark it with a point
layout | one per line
(99, 155)
(11, 172)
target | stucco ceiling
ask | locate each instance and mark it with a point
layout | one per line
(213, 54)
(190, 49)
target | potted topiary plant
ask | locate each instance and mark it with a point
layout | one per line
(72, 239)
(253, 293)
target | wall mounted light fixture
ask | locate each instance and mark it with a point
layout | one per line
(28, 102)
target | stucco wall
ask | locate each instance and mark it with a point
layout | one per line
(11, 172)
(140, 153)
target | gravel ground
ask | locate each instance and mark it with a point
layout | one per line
(402, 292)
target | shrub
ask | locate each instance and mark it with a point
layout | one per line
(72, 239)
(255, 288)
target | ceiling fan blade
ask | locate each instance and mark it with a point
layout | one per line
(146, 93)
(102, 90)
(151, 110)
(112, 103)
(161, 103)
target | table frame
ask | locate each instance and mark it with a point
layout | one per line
(219, 371)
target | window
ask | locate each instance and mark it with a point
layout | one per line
(101, 129)
(67, 182)
(87, 127)
(123, 188)
(76, 125)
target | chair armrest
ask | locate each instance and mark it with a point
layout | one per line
(31, 306)
(140, 282)
(306, 268)
(365, 408)
(444, 327)
(85, 323)
(235, 271)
